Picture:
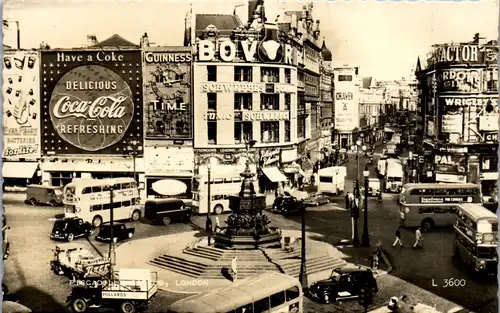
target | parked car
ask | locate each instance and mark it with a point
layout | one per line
(344, 283)
(316, 200)
(286, 204)
(42, 194)
(166, 211)
(70, 228)
(120, 232)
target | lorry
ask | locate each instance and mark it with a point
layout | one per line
(394, 175)
(381, 164)
(332, 180)
(75, 261)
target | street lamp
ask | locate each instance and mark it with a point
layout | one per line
(208, 224)
(365, 239)
(303, 270)
(112, 254)
(134, 149)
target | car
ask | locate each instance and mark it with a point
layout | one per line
(68, 229)
(120, 232)
(316, 200)
(286, 204)
(166, 211)
(344, 283)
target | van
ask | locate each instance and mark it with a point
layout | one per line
(44, 194)
(165, 211)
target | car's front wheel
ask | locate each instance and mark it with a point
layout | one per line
(136, 215)
(70, 237)
(130, 235)
(97, 221)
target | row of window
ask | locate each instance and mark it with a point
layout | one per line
(114, 205)
(243, 101)
(244, 131)
(445, 192)
(264, 305)
(94, 189)
(245, 74)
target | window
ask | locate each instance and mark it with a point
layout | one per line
(86, 190)
(425, 210)
(117, 186)
(269, 132)
(288, 76)
(325, 179)
(287, 131)
(277, 299)
(212, 101)
(292, 293)
(212, 73)
(106, 188)
(126, 186)
(269, 75)
(242, 73)
(212, 132)
(96, 189)
(261, 306)
(117, 205)
(125, 203)
(269, 102)
(242, 131)
(242, 101)
(96, 207)
(288, 101)
(301, 127)
(245, 309)
(106, 206)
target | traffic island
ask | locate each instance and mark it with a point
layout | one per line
(186, 264)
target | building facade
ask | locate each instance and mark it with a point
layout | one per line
(326, 111)
(346, 104)
(245, 88)
(168, 119)
(458, 98)
(371, 107)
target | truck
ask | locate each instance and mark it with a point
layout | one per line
(332, 180)
(125, 290)
(75, 261)
(394, 175)
(381, 164)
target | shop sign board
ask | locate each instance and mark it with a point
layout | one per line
(469, 101)
(450, 163)
(452, 123)
(459, 80)
(164, 161)
(248, 87)
(168, 111)
(269, 156)
(92, 101)
(21, 104)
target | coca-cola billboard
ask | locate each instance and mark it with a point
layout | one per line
(94, 104)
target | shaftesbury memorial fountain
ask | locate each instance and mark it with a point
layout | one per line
(247, 227)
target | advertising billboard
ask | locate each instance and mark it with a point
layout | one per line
(92, 101)
(346, 110)
(21, 105)
(459, 80)
(167, 96)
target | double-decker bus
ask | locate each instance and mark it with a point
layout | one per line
(430, 205)
(222, 186)
(476, 238)
(269, 292)
(90, 200)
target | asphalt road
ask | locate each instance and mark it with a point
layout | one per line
(27, 271)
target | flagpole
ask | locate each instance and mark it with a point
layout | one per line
(18, 36)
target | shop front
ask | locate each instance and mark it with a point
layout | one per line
(450, 168)
(169, 172)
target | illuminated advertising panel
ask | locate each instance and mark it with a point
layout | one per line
(92, 101)
(21, 104)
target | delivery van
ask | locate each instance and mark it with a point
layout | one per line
(44, 194)
(332, 180)
(394, 175)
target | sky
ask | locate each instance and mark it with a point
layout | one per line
(382, 38)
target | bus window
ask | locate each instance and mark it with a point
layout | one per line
(292, 293)
(441, 192)
(441, 210)
(218, 197)
(227, 180)
(126, 203)
(96, 189)
(245, 309)
(106, 188)
(425, 210)
(117, 205)
(96, 207)
(415, 192)
(278, 299)
(261, 306)
(106, 206)
(237, 180)
(427, 192)
(126, 186)
(218, 181)
(86, 190)
(117, 186)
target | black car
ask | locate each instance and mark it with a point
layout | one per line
(71, 228)
(344, 283)
(120, 232)
(165, 211)
(286, 204)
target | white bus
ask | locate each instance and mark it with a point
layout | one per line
(222, 186)
(89, 199)
(476, 238)
(269, 292)
(430, 205)
(332, 180)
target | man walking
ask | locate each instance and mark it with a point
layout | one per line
(401, 219)
(234, 269)
(418, 239)
(398, 238)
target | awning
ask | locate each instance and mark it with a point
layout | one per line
(19, 169)
(274, 174)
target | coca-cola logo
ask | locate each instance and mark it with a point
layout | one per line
(91, 107)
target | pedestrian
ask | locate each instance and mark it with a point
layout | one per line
(234, 269)
(401, 219)
(398, 238)
(418, 239)
(217, 224)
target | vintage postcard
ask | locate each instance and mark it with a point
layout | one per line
(250, 156)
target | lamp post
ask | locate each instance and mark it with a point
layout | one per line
(365, 239)
(134, 149)
(208, 224)
(112, 254)
(303, 270)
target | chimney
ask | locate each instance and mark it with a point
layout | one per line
(145, 40)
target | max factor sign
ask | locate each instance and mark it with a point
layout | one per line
(458, 53)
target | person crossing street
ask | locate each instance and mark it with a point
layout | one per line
(398, 238)
(418, 239)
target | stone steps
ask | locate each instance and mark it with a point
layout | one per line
(244, 270)
(179, 265)
(312, 266)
